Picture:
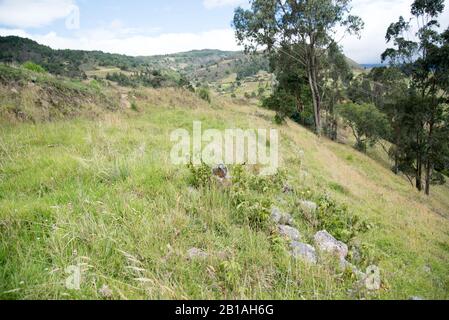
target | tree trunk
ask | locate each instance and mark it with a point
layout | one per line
(419, 172)
(428, 176)
(315, 96)
(429, 166)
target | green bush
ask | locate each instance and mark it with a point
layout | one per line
(200, 176)
(337, 220)
(34, 67)
(134, 106)
(204, 94)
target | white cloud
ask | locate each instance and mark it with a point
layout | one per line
(116, 37)
(378, 15)
(34, 13)
(212, 4)
(123, 42)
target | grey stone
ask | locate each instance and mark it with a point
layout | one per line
(281, 218)
(195, 253)
(276, 215)
(345, 265)
(308, 207)
(325, 242)
(290, 233)
(304, 252)
(287, 219)
(416, 298)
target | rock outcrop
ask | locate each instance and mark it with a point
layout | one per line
(325, 242)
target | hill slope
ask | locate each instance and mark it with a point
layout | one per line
(101, 194)
(203, 66)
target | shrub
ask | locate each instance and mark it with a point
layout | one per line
(134, 106)
(204, 94)
(337, 220)
(29, 65)
(200, 176)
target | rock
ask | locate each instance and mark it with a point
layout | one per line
(220, 171)
(290, 233)
(105, 291)
(287, 219)
(304, 252)
(416, 298)
(276, 215)
(327, 243)
(195, 253)
(14, 90)
(308, 207)
(281, 218)
(345, 265)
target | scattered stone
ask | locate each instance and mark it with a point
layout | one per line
(290, 233)
(281, 218)
(276, 215)
(345, 265)
(304, 252)
(220, 171)
(14, 90)
(427, 269)
(287, 220)
(105, 291)
(308, 206)
(327, 243)
(355, 255)
(195, 253)
(416, 298)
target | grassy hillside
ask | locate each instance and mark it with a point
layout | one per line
(100, 192)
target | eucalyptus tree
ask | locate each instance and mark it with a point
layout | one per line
(303, 29)
(421, 52)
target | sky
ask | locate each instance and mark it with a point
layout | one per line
(149, 27)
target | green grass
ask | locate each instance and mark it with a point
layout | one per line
(102, 193)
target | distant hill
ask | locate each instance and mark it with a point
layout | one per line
(202, 66)
(71, 63)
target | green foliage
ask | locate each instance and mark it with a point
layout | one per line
(34, 67)
(283, 103)
(251, 67)
(200, 176)
(251, 196)
(368, 124)
(147, 78)
(134, 106)
(420, 117)
(204, 93)
(306, 29)
(230, 273)
(338, 221)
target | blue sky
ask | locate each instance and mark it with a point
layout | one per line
(147, 27)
